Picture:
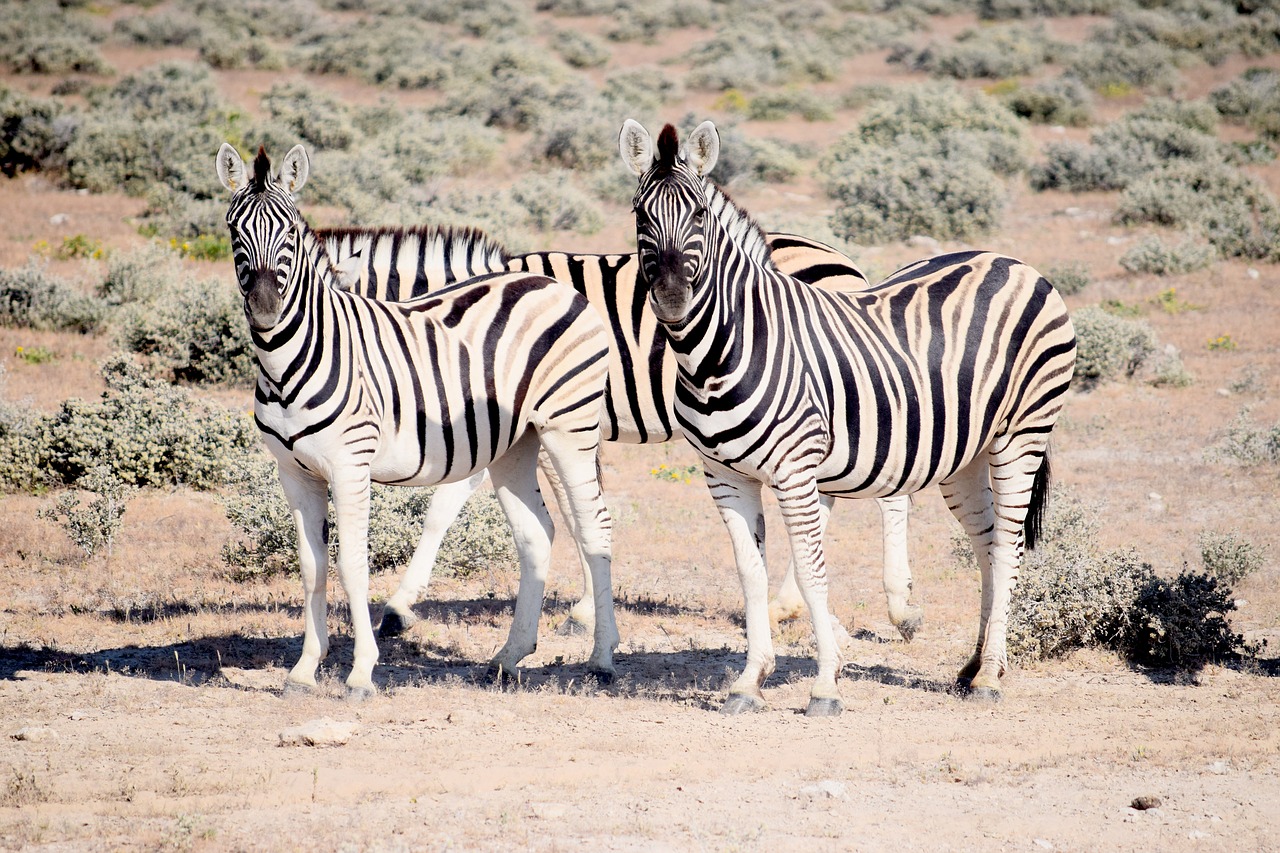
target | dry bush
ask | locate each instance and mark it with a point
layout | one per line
(996, 52)
(1109, 347)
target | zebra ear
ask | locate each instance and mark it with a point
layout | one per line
(294, 169)
(231, 170)
(636, 147)
(704, 148)
(348, 272)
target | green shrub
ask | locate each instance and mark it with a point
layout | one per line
(182, 215)
(403, 52)
(552, 203)
(1252, 99)
(1109, 347)
(1168, 370)
(997, 52)
(1232, 210)
(579, 139)
(1228, 556)
(95, 525)
(779, 105)
(754, 51)
(1060, 101)
(149, 432)
(579, 50)
(925, 161)
(1123, 67)
(138, 275)
(1246, 442)
(166, 28)
(30, 297)
(365, 183)
(42, 37)
(1182, 622)
(34, 132)
(225, 51)
(266, 543)
(424, 148)
(1156, 257)
(192, 330)
(640, 91)
(646, 21)
(998, 10)
(1069, 278)
(21, 430)
(320, 119)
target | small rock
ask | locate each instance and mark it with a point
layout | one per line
(1240, 602)
(1042, 843)
(1253, 274)
(1223, 392)
(59, 219)
(321, 732)
(1146, 801)
(1154, 496)
(922, 241)
(827, 789)
(1117, 241)
(1220, 768)
(34, 734)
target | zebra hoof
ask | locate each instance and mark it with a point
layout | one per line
(909, 626)
(571, 627)
(294, 689)
(356, 695)
(824, 707)
(394, 624)
(984, 695)
(741, 703)
(603, 676)
(501, 675)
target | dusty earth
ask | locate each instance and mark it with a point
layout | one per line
(140, 695)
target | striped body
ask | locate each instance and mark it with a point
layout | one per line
(398, 264)
(951, 372)
(352, 390)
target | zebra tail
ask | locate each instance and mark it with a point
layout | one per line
(1038, 507)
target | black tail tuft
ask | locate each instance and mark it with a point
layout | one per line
(1038, 507)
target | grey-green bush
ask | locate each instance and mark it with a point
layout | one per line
(579, 50)
(34, 132)
(150, 433)
(1252, 99)
(43, 37)
(1228, 556)
(1060, 101)
(31, 297)
(755, 51)
(779, 105)
(1246, 442)
(1109, 347)
(21, 430)
(1069, 278)
(425, 148)
(552, 203)
(1007, 50)
(266, 541)
(1154, 256)
(95, 525)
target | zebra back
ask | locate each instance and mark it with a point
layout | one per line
(398, 264)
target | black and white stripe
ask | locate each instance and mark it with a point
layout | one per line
(950, 372)
(398, 264)
(353, 390)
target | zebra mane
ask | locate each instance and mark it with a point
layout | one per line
(261, 170)
(742, 229)
(476, 240)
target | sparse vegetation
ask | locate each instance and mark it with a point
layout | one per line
(1154, 256)
(1109, 347)
(1229, 557)
(92, 526)
(1246, 442)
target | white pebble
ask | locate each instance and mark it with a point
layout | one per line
(321, 732)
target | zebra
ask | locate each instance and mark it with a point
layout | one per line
(352, 391)
(950, 372)
(396, 264)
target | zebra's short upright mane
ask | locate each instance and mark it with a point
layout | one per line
(261, 170)
(740, 226)
(431, 236)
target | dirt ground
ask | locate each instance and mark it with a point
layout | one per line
(141, 704)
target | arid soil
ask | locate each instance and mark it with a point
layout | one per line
(141, 703)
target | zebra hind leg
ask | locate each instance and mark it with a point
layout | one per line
(582, 615)
(515, 482)
(904, 615)
(968, 496)
(574, 456)
(446, 503)
(350, 493)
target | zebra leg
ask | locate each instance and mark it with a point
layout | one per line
(582, 616)
(788, 603)
(1014, 463)
(515, 483)
(968, 496)
(575, 464)
(446, 502)
(309, 504)
(905, 616)
(803, 513)
(351, 506)
(738, 500)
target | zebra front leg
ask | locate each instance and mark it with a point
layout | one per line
(968, 496)
(515, 483)
(738, 500)
(582, 615)
(446, 502)
(309, 504)
(803, 513)
(351, 507)
(574, 457)
(904, 615)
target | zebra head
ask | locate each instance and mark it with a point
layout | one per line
(265, 226)
(671, 207)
